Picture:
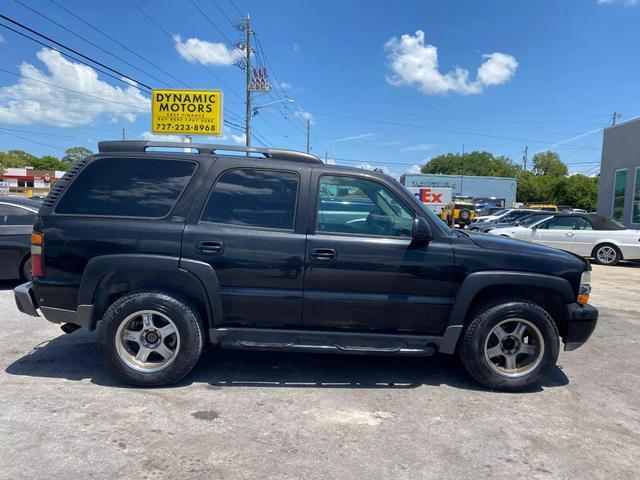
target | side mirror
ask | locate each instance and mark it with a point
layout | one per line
(421, 232)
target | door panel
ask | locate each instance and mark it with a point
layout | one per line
(251, 230)
(259, 271)
(366, 273)
(378, 284)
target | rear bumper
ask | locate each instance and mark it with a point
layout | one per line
(26, 303)
(581, 323)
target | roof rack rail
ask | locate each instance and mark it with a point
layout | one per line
(129, 146)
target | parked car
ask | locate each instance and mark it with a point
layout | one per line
(495, 216)
(521, 222)
(508, 219)
(162, 251)
(458, 213)
(17, 216)
(595, 236)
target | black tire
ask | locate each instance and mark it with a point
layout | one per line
(25, 271)
(606, 254)
(185, 319)
(465, 214)
(479, 334)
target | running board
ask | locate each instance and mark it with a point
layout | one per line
(324, 341)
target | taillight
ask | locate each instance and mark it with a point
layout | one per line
(37, 244)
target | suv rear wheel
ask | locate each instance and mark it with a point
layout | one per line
(510, 345)
(150, 339)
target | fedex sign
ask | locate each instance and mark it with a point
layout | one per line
(436, 198)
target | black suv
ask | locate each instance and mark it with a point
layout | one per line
(163, 251)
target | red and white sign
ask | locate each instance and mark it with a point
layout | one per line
(436, 198)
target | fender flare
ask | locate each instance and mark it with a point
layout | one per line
(99, 269)
(477, 281)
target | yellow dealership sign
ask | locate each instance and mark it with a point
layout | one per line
(186, 112)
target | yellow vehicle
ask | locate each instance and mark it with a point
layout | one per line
(458, 213)
(545, 207)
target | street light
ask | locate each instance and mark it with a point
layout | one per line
(256, 109)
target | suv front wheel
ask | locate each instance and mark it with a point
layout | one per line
(150, 339)
(510, 345)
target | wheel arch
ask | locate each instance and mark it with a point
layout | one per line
(108, 277)
(552, 293)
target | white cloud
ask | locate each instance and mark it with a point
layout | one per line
(361, 136)
(160, 137)
(622, 2)
(390, 144)
(2, 39)
(226, 137)
(368, 166)
(304, 115)
(413, 169)
(208, 53)
(421, 147)
(296, 47)
(497, 68)
(34, 100)
(414, 63)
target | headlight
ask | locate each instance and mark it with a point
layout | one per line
(585, 288)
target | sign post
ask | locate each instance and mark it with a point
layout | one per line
(186, 112)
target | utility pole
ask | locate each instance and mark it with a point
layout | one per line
(122, 133)
(525, 157)
(614, 117)
(326, 157)
(308, 135)
(248, 71)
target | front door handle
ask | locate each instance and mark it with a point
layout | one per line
(210, 247)
(323, 254)
(570, 234)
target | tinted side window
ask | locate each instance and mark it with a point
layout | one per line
(565, 223)
(127, 187)
(253, 197)
(358, 206)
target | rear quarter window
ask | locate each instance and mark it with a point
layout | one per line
(126, 187)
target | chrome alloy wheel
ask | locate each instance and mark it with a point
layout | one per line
(514, 348)
(606, 254)
(147, 341)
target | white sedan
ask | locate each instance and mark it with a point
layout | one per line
(601, 238)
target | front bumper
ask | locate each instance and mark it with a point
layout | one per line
(581, 323)
(26, 303)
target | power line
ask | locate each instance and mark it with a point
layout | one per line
(84, 39)
(30, 140)
(161, 28)
(71, 90)
(236, 7)
(212, 23)
(140, 57)
(120, 79)
(224, 13)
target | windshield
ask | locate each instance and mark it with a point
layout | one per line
(531, 219)
(499, 212)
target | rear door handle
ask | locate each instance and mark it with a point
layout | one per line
(210, 247)
(323, 254)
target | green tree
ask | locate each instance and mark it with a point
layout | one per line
(73, 154)
(473, 163)
(18, 158)
(578, 191)
(48, 162)
(548, 164)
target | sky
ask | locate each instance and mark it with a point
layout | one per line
(384, 84)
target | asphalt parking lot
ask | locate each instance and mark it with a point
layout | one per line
(265, 415)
